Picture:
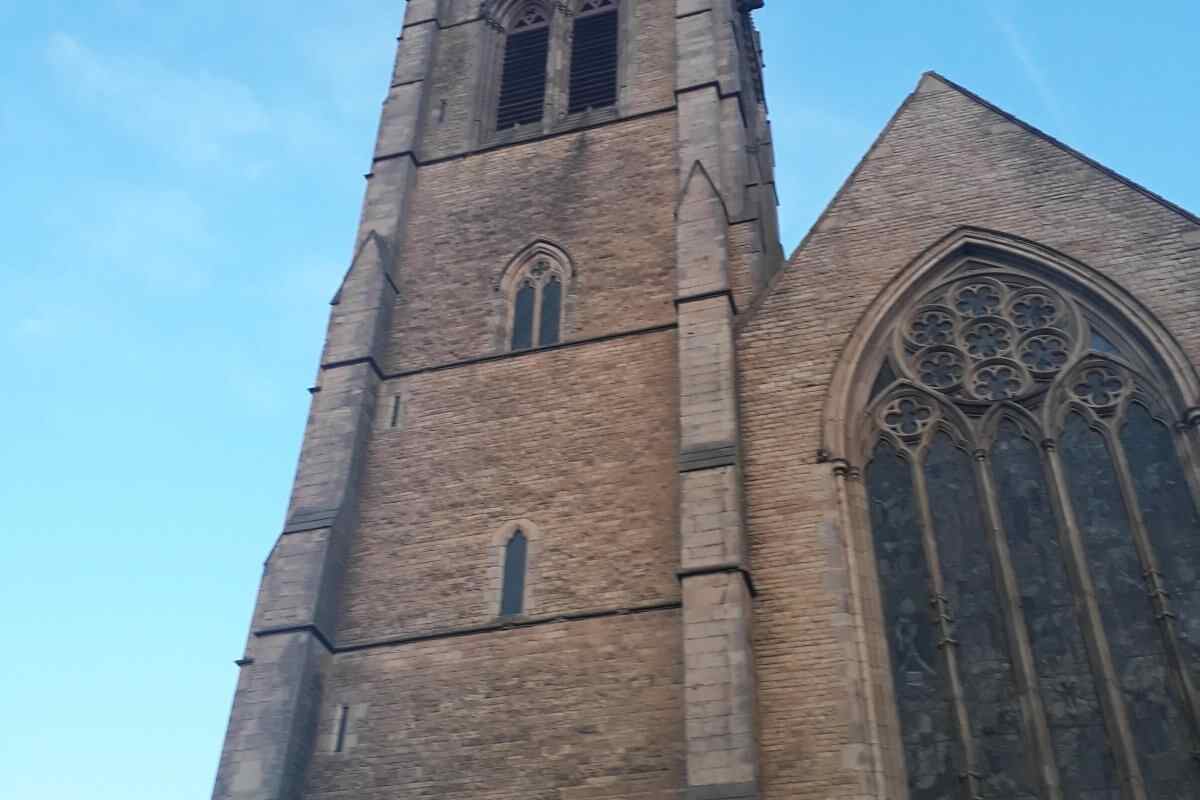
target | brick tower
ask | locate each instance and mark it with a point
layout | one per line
(600, 500)
(516, 531)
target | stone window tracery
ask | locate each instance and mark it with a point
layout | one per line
(1036, 535)
(545, 63)
(535, 291)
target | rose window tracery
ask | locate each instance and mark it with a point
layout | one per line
(977, 300)
(932, 326)
(1025, 332)
(987, 338)
(999, 380)
(1034, 310)
(941, 368)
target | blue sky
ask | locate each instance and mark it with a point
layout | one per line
(182, 181)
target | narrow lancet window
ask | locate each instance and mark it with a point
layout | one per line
(512, 592)
(551, 310)
(536, 286)
(1069, 693)
(918, 667)
(522, 326)
(523, 75)
(594, 56)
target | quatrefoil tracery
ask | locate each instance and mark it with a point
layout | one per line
(908, 416)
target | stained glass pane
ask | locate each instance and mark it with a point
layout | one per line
(970, 588)
(931, 746)
(1154, 709)
(512, 596)
(1072, 704)
(1103, 345)
(551, 309)
(522, 328)
(1169, 511)
(885, 378)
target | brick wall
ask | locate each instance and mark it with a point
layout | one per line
(605, 195)
(946, 161)
(579, 440)
(581, 710)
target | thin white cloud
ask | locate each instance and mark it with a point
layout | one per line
(195, 116)
(1033, 72)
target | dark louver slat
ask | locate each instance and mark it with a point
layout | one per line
(594, 63)
(523, 81)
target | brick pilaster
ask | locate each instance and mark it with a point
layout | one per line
(273, 722)
(719, 694)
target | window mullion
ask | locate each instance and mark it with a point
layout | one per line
(943, 619)
(1018, 632)
(1155, 586)
(1116, 720)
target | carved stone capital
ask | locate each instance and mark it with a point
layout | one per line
(1049, 445)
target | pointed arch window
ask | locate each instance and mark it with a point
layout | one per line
(535, 286)
(1036, 532)
(523, 72)
(512, 590)
(594, 56)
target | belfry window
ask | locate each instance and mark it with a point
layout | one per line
(594, 56)
(1037, 542)
(512, 591)
(536, 300)
(523, 74)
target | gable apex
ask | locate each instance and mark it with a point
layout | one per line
(930, 80)
(924, 138)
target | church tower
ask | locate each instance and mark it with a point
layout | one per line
(514, 563)
(600, 500)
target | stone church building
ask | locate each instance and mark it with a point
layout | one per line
(603, 497)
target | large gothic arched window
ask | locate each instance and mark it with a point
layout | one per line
(1033, 508)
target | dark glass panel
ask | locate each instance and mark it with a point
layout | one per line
(523, 79)
(594, 63)
(885, 378)
(974, 602)
(522, 328)
(1068, 691)
(551, 309)
(1169, 511)
(512, 596)
(1155, 714)
(931, 744)
(1102, 345)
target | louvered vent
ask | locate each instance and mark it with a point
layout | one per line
(594, 62)
(523, 81)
